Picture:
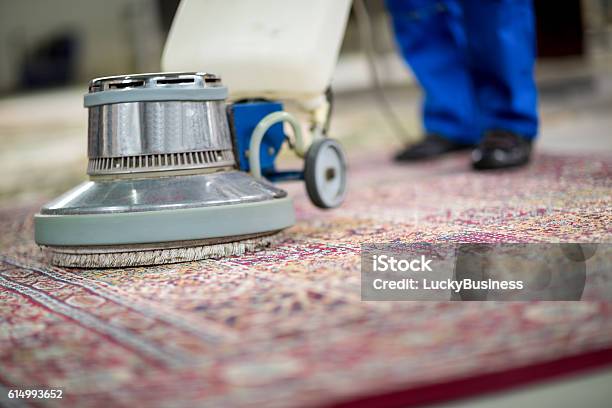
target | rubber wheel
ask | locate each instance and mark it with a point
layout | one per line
(325, 173)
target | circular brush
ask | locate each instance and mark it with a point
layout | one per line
(163, 181)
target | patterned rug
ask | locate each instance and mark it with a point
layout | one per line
(286, 327)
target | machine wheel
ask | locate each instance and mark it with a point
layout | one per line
(325, 173)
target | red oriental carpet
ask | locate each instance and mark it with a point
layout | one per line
(286, 327)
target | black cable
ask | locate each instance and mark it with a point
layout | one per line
(366, 39)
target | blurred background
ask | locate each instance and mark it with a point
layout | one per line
(67, 42)
(50, 50)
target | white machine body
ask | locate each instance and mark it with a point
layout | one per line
(278, 49)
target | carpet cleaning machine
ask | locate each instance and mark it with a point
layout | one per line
(181, 163)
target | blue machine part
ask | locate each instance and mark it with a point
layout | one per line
(244, 117)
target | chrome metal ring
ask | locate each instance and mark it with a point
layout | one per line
(180, 126)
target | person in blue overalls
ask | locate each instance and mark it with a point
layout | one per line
(474, 60)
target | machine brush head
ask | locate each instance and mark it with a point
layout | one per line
(131, 256)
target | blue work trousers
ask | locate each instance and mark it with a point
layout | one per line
(475, 62)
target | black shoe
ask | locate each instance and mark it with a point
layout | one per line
(501, 149)
(430, 147)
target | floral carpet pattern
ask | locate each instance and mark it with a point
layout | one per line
(286, 326)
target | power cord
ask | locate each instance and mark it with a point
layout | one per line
(366, 39)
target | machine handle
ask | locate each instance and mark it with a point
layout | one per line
(260, 131)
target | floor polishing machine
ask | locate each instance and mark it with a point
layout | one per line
(181, 167)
